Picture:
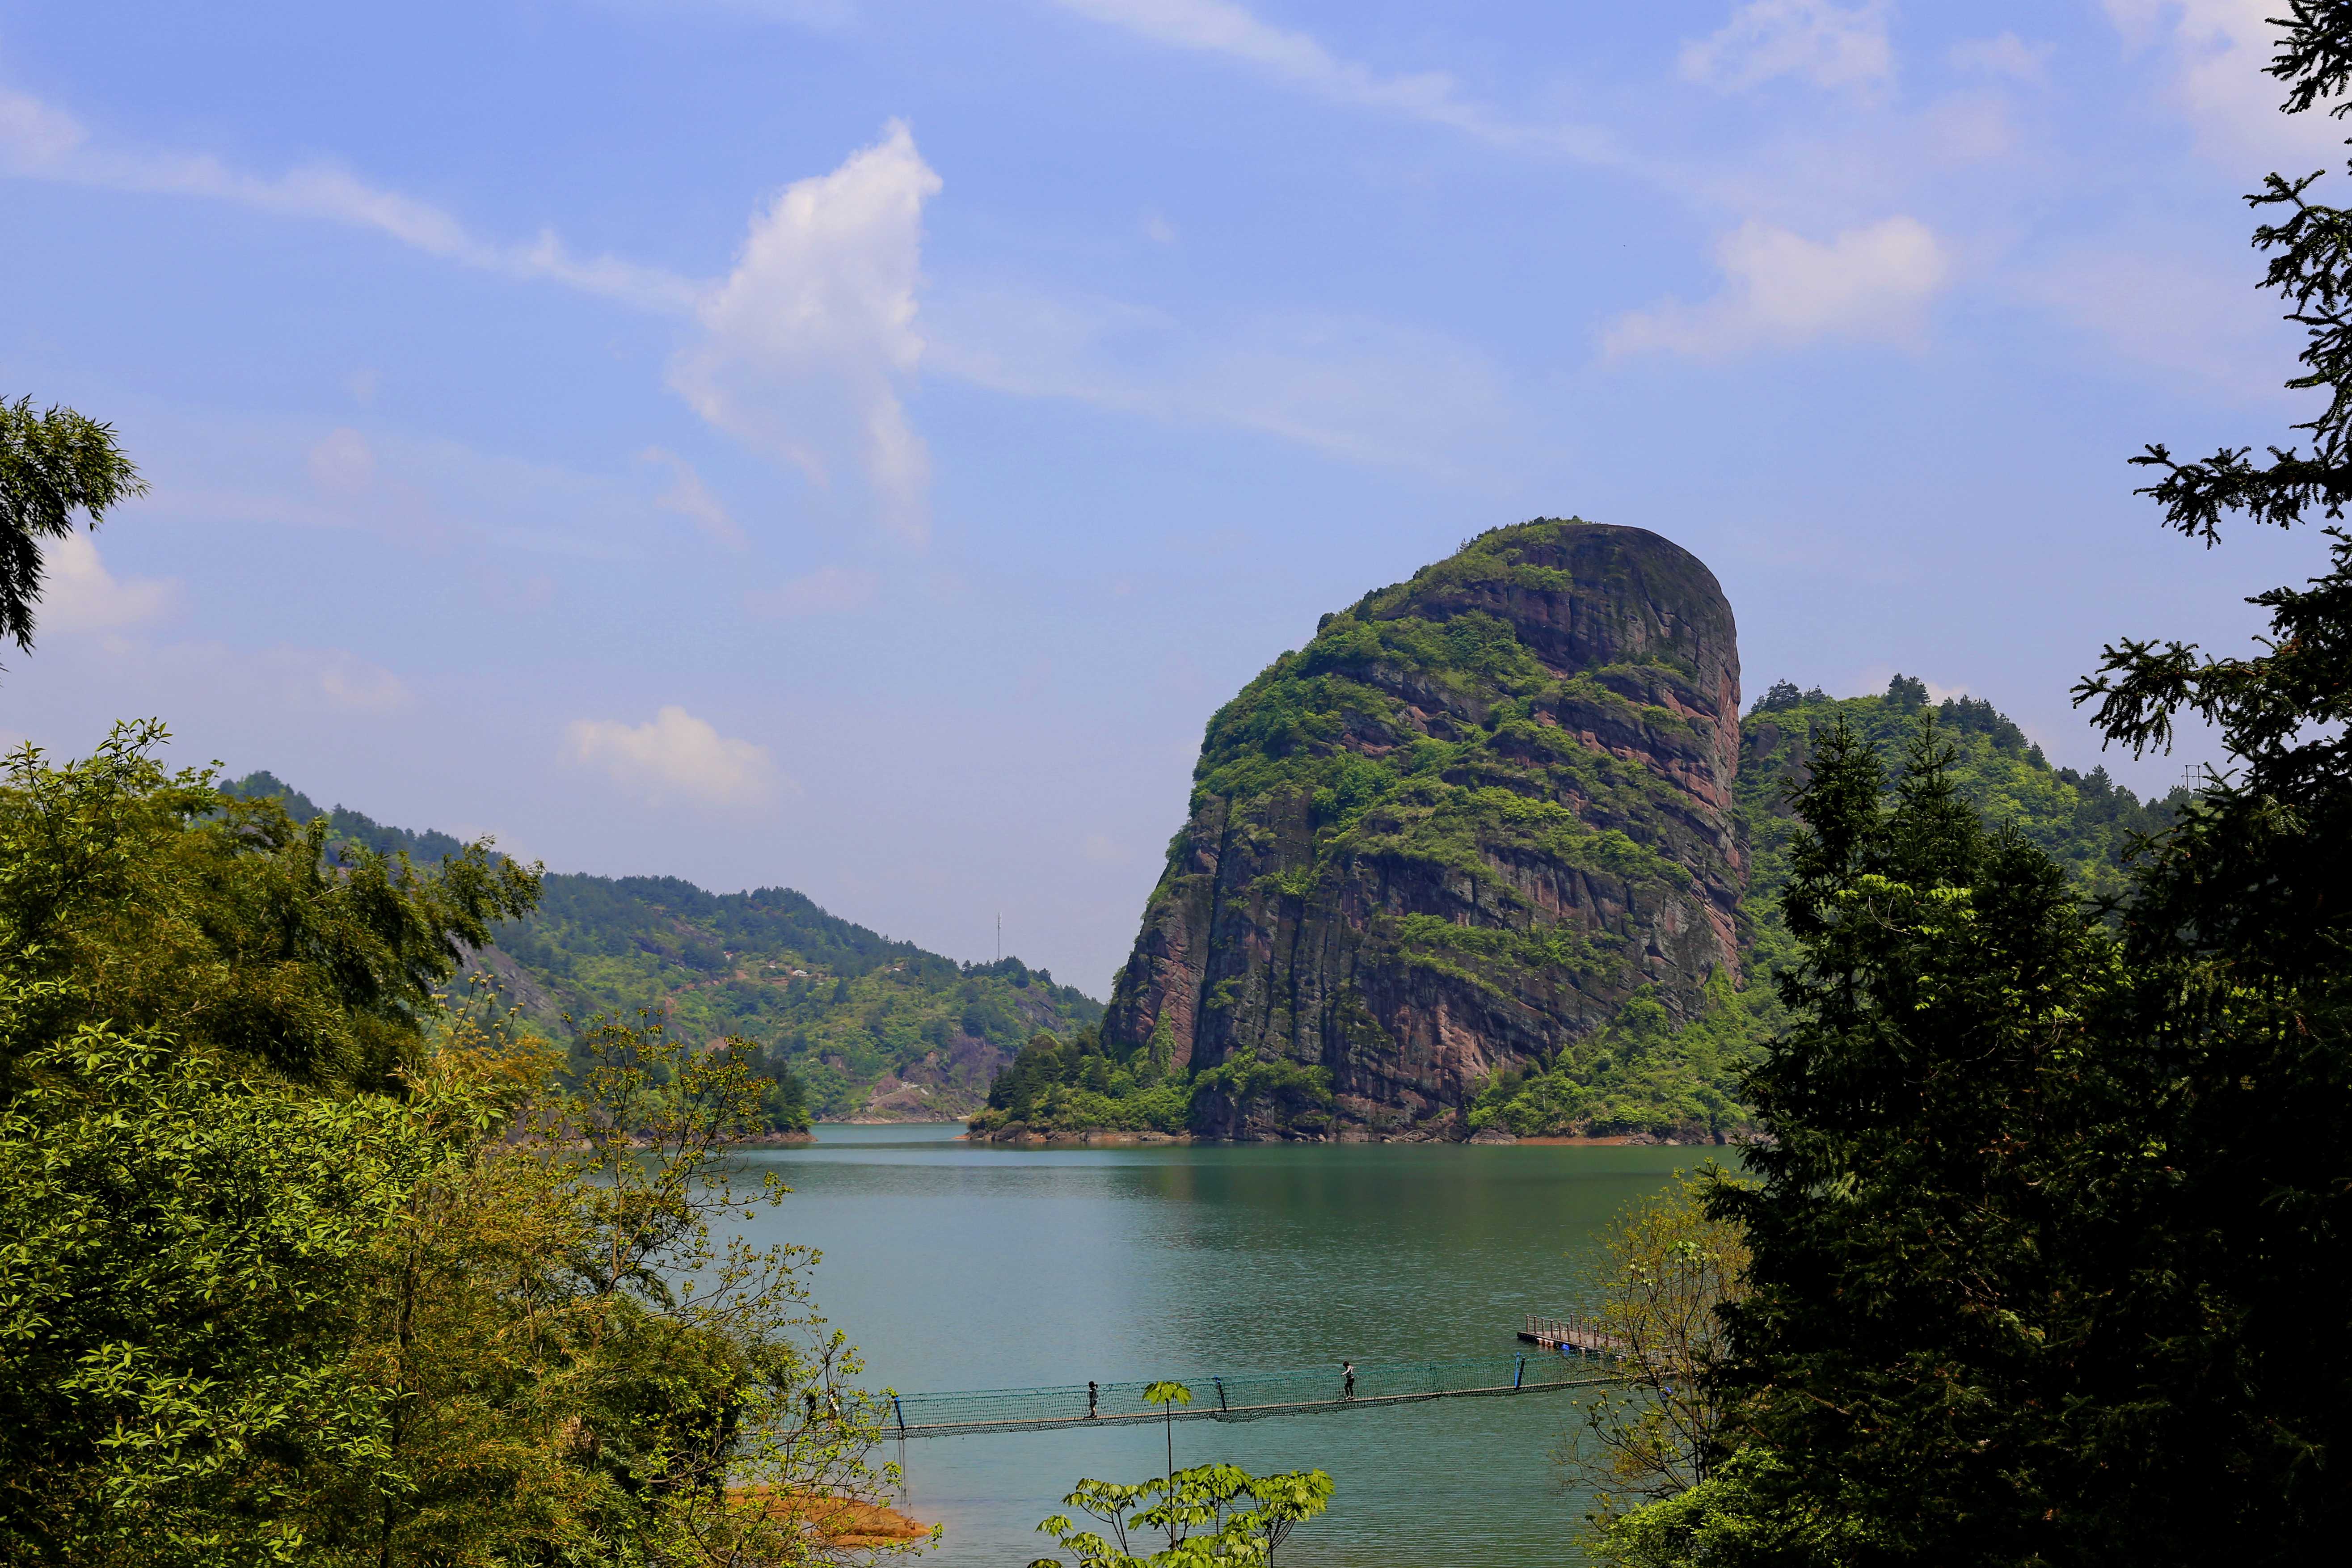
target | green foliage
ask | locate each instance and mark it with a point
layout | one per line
(1318, 722)
(166, 905)
(1664, 1268)
(1643, 1074)
(296, 1266)
(828, 1007)
(1933, 1343)
(52, 465)
(1741, 1514)
(1086, 1084)
(1054, 1085)
(185, 1265)
(2087, 823)
(1212, 1516)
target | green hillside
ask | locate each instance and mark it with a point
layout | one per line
(868, 1026)
(1644, 1074)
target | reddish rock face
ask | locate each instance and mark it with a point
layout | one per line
(1458, 829)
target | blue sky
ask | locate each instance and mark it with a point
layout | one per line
(856, 445)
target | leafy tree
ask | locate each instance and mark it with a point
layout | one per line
(1212, 1515)
(297, 1265)
(52, 465)
(143, 899)
(576, 1370)
(1663, 1267)
(185, 1255)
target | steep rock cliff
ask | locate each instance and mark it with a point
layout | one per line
(1459, 830)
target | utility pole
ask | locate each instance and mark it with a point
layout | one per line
(1000, 937)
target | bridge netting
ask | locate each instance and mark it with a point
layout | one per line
(1234, 1397)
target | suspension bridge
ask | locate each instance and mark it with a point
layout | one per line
(1327, 1389)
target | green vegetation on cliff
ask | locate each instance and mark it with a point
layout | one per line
(1644, 1072)
(1087, 1083)
(1429, 737)
(846, 1021)
(1477, 812)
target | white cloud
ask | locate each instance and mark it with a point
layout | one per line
(343, 681)
(1364, 391)
(806, 347)
(1157, 229)
(2005, 55)
(342, 462)
(2174, 311)
(2221, 51)
(1102, 849)
(1829, 45)
(37, 141)
(1222, 27)
(673, 754)
(80, 595)
(690, 497)
(826, 590)
(1785, 290)
(810, 339)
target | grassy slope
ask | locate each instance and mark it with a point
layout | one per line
(862, 1010)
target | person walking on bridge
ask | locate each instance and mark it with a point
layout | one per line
(1091, 1394)
(1348, 1380)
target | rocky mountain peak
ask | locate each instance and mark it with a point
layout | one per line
(1476, 814)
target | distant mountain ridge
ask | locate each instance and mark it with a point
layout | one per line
(874, 1027)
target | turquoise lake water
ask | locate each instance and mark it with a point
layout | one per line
(956, 1267)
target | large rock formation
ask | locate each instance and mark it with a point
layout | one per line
(1458, 829)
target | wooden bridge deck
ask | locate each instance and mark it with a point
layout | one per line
(1580, 1335)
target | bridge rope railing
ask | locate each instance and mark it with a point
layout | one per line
(1233, 1396)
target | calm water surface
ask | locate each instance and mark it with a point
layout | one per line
(955, 1267)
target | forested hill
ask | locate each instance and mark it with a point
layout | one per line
(2086, 821)
(872, 1026)
(1645, 1074)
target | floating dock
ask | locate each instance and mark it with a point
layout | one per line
(1573, 1336)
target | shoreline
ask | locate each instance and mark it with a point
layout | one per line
(1110, 1137)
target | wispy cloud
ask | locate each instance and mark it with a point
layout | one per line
(2219, 51)
(39, 142)
(674, 755)
(2004, 54)
(691, 499)
(1824, 43)
(1298, 60)
(828, 589)
(803, 350)
(2155, 306)
(1782, 289)
(1366, 391)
